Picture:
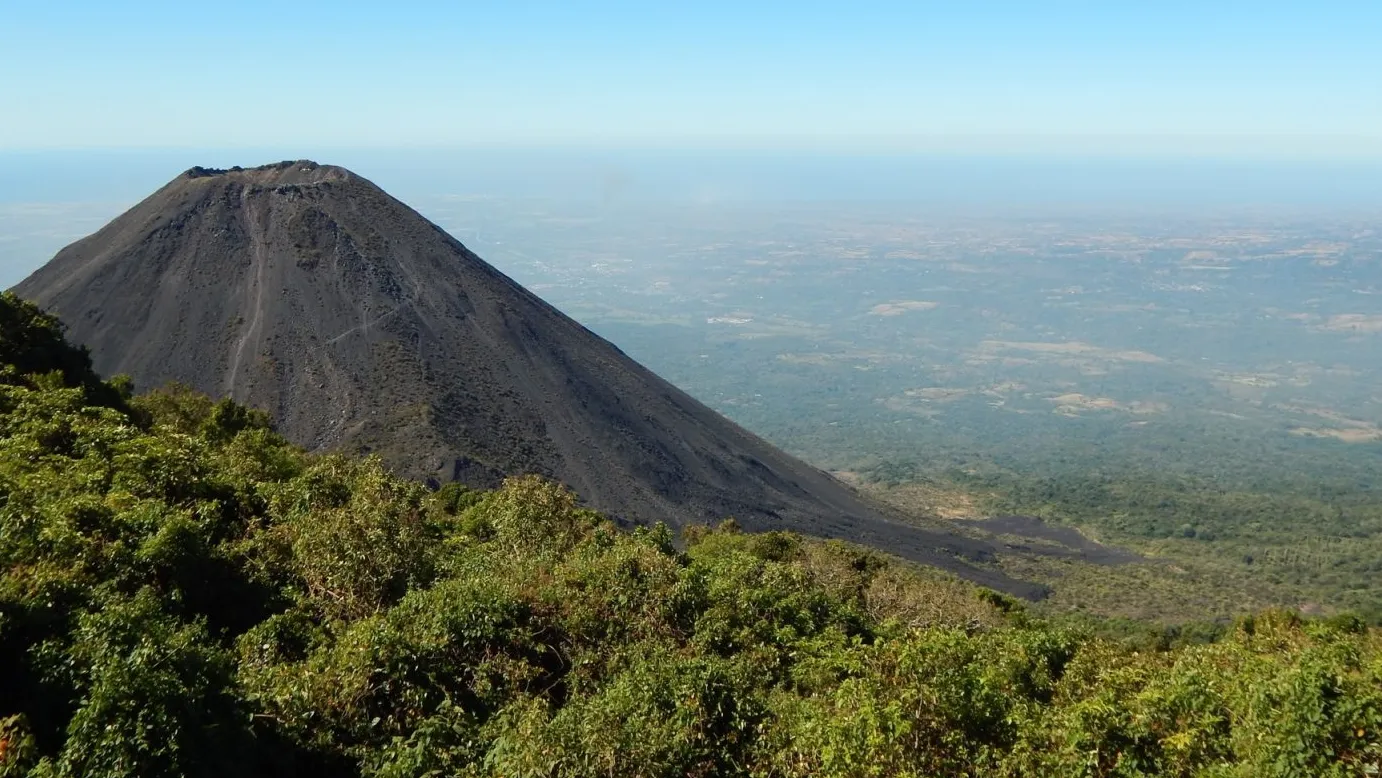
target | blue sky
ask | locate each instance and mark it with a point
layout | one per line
(1218, 78)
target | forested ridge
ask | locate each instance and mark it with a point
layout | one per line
(182, 592)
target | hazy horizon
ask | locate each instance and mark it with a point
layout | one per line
(729, 174)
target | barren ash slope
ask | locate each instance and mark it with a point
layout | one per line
(307, 291)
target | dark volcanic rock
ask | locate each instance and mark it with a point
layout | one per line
(307, 291)
(1069, 542)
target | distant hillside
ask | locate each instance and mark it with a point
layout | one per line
(308, 292)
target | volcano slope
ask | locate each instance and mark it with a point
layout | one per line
(307, 291)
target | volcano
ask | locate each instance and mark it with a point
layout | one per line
(307, 291)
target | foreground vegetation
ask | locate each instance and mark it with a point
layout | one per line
(184, 593)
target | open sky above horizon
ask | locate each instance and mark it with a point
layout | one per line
(1274, 80)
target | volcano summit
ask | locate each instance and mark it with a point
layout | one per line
(307, 291)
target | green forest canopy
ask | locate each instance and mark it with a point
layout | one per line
(182, 592)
